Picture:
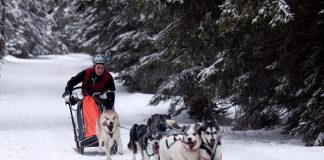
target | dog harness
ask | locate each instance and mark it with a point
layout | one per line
(150, 155)
(90, 88)
(212, 154)
(139, 131)
(167, 144)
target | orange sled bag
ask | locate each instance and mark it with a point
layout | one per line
(90, 115)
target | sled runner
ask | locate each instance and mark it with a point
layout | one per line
(87, 110)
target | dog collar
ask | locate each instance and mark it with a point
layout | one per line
(111, 134)
(167, 144)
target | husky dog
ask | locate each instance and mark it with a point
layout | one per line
(181, 147)
(144, 140)
(211, 137)
(162, 123)
(158, 122)
(108, 131)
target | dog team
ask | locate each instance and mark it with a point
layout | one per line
(162, 138)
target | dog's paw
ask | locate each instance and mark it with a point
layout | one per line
(120, 152)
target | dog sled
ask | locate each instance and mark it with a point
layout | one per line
(84, 113)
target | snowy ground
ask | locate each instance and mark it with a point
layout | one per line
(35, 124)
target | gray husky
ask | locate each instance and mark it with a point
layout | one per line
(211, 137)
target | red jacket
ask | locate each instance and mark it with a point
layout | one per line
(88, 88)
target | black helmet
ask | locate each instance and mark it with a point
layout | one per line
(99, 59)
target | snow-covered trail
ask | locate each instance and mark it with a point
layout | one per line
(35, 124)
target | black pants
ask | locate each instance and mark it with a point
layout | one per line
(104, 103)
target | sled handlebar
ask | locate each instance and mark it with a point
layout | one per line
(80, 87)
(72, 99)
(75, 88)
(94, 94)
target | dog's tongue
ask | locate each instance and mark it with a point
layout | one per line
(155, 149)
(211, 145)
(110, 128)
(192, 145)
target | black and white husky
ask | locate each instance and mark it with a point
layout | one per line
(211, 137)
(181, 147)
(162, 123)
(145, 141)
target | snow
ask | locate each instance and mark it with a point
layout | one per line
(318, 140)
(151, 58)
(174, 1)
(283, 13)
(90, 41)
(321, 11)
(35, 124)
(211, 70)
(122, 38)
(126, 34)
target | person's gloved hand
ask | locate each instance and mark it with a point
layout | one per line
(66, 93)
(66, 96)
(103, 96)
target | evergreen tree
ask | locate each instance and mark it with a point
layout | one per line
(2, 17)
(28, 29)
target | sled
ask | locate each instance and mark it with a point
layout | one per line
(87, 109)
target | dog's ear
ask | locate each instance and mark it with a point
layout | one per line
(197, 126)
(160, 135)
(118, 121)
(201, 128)
(184, 128)
(117, 115)
(217, 126)
(104, 110)
(149, 122)
(145, 140)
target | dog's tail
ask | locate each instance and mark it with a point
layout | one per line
(132, 138)
(130, 146)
